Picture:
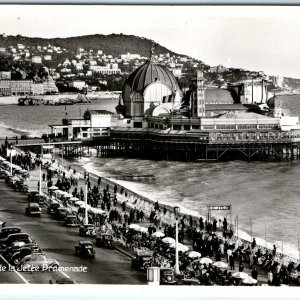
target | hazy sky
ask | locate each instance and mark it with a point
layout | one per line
(257, 38)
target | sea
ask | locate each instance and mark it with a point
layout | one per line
(264, 196)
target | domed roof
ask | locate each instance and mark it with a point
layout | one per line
(148, 73)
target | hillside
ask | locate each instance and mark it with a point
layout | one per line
(114, 44)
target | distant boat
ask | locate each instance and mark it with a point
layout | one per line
(30, 101)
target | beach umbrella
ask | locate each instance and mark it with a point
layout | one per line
(62, 192)
(249, 280)
(240, 275)
(168, 240)
(193, 254)
(220, 264)
(205, 260)
(53, 188)
(181, 247)
(79, 203)
(158, 234)
(143, 229)
(83, 205)
(98, 211)
(135, 227)
(73, 199)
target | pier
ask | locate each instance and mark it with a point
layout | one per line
(185, 146)
(204, 146)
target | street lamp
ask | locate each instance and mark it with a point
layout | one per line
(176, 211)
(85, 203)
(40, 179)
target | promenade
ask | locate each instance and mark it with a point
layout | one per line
(128, 206)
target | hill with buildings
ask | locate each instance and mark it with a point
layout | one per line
(102, 62)
(113, 44)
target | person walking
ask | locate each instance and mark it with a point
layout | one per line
(231, 262)
(254, 273)
(270, 278)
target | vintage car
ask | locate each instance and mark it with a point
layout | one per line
(39, 198)
(104, 240)
(71, 221)
(53, 207)
(85, 249)
(37, 262)
(16, 237)
(167, 276)
(6, 231)
(33, 209)
(87, 230)
(61, 213)
(142, 260)
(31, 195)
(189, 281)
(17, 254)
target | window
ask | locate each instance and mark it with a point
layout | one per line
(195, 126)
(138, 125)
(186, 127)
(176, 127)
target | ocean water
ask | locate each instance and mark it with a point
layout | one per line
(264, 194)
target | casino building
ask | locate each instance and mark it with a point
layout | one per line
(154, 118)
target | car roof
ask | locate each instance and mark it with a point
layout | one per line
(85, 243)
(33, 204)
(8, 228)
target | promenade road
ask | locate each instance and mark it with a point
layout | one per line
(57, 241)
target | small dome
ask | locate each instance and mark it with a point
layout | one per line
(148, 73)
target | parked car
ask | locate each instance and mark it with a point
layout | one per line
(87, 230)
(61, 213)
(37, 262)
(33, 209)
(142, 260)
(167, 276)
(16, 237)
(104, 240)
(53, 207)
(85, 249)
(17, 255)
(6, 231)
(71, 221)
(39, 198)
(32, 194)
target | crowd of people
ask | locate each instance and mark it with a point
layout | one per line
(213, 239)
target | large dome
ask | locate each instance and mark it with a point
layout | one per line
(148, 73)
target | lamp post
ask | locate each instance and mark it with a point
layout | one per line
(85, 204)
(177, 211)
(40, 185)
(10, 153)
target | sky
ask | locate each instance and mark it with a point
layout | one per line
(261, 38)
